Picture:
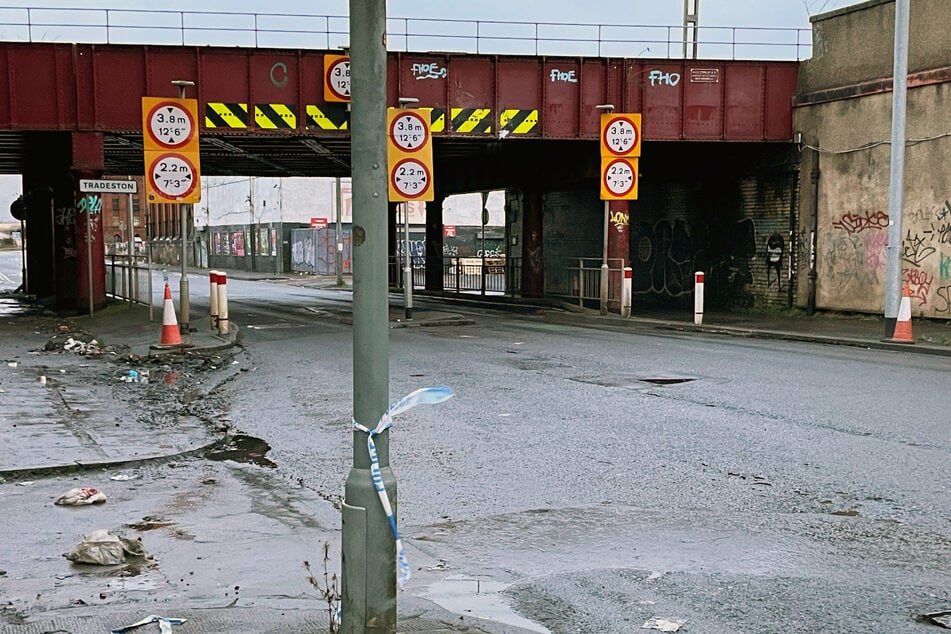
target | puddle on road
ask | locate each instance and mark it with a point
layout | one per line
(245, 449)
(478, 598)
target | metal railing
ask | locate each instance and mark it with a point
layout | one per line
(128, 279)
(580, 280)
(326, 32)
(491, 276)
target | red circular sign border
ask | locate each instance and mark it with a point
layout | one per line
(429, 178)
(166, 155)
(604, 141)
(425, 129)
(177, 104)
(604, 177)
(330, 86)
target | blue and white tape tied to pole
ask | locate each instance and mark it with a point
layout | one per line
(424, 396)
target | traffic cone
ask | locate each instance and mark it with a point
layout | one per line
(903, 325)
(170, 333)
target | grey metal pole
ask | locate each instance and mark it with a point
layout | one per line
(368, 547)
(148, 258)
(183, 283)
(813, 233)
(338, 254)
(131, 247)
(407, 265)
(897, 176)
(604, 260)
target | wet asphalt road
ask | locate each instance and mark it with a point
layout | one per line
(579, 481)
(602, 479)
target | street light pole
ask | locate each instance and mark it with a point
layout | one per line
(897, 175)
(183, 228)
(368, 602)
(607, 108)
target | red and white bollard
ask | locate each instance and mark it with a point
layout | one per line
(222, 303)
(698, 298)
(626, 291)
(213, 298)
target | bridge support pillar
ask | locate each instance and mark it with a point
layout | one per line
(619, 247)
(61, 255)
(533, 256)
(434, 242)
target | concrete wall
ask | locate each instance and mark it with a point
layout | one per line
(855, 44)
(852, 136)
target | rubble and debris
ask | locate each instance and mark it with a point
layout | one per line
(165, 624)
(941, 619)
(102, 548)
(123, 477)
(81, 347)
(81, 497)
(664, 624)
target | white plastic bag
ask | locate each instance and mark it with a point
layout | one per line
(81, 497)
(102, 548)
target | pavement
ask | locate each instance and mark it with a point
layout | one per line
(126, 333)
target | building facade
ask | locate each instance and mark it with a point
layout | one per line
(843, 111)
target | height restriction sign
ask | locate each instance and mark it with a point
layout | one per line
(336, 78)
(170, 139)
(619, 179)
(620, 135)
(409, 155)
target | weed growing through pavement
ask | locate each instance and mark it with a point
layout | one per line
(329, 591)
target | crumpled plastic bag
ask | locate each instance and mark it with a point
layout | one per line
(81, 497)
(102, 548)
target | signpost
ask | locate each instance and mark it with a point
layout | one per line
(409, 155)
(620, 147)
(172, 165)
(108, 186)
(318, 223)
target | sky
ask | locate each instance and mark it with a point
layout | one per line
(713, 14)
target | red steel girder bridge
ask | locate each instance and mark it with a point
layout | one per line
(265, 112)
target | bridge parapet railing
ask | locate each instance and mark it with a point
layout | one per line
(328, 32)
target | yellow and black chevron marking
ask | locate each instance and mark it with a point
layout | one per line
(472, 120)
(275, 116)
(437, 119)
(226, 115)
(519, 121)
(328, 116)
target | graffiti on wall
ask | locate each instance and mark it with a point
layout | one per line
(665, 257)
(855, 253)
(431, 70)
(919, 284)
(660, 78)
(775, 248)
(857, 223)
